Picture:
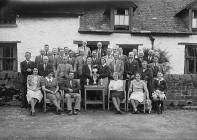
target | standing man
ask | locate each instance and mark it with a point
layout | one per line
(100, 51)
(71, 88)
(60, 57)
(135, 53)
(150, 56)
(95, 60)
(46, 49)
(45, 67)
(39, 58)
(64, 69)
(131, 67)
(121, 55)
(27, 67)
(71, 59)
(117, 65)
(66, 51)
(109, 57)
(84, 48)
(79, 62)
(54, 58)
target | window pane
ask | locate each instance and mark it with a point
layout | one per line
(8, 64)
(7, 52)
(194, 14)
(194, 23)
(126, 11)
(191, 65)
(126, 20)
(117, 20)
(121, 20)
(191, 51)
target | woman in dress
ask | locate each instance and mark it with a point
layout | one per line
(139, 92)
(34, 94)
(159, 88)
(117, 92)
(50, 86)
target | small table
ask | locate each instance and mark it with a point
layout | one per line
(94, 88)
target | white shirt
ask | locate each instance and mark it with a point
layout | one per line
(116, 85)
(49, 80)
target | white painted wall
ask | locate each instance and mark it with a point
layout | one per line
(58, 31)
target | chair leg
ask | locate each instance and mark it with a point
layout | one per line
(44, 106)
(144, 108)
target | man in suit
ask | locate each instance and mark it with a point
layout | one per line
(71, 59)
(54, 58)
(150, 56)
(156, 66)
(39, 58)
(79, 62)
(64, 69)
(60, 57)
(85, 49)
(95, 60)
(117, 65)
(27, 67)
(109, 57)
(71, 87)
(46, 50)
(121, 55)
(66, 51)
(100, 51)
(45, 67)
(131, 66)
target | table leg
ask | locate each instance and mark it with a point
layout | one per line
(85, 100)
(103, 99)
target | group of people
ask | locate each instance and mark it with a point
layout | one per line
(57, 70)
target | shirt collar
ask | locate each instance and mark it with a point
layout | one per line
(49, 79)
(104, 65)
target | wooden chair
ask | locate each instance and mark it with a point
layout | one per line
(45, 101)
(62, 93)
(124, 101)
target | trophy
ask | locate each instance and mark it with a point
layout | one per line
(94, 75)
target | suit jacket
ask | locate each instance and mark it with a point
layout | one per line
(96, 61)
(79, 62)
(101, 53)
(131, 67)
(149, 59)
(53, 59)
(123, 58)
(39, 60)
(140, 61)
(119, 67)
(72, 62)
(63, 70)
(156, 68)
(108, 59)
(42, 72)
(66, 85)
(162, 86)
(104, 72)
(24, 66)
(147, 76)
(59, 60)
(87, 51)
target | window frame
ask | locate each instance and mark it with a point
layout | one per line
(14, 58)
(14, 24)
(113, 18)
(186, 65)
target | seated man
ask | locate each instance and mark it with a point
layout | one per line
(71, 88)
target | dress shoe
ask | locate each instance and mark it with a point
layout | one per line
(118, 112)
(70, 112)
(75, 112)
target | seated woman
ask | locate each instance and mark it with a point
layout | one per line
(116, 91)
(137, 88)
(34, 94)
(50, 86)
(159, 88)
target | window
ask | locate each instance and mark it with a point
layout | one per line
(121, 18)
(194, 19)
(191, 59)
(7, 20)
(8, 57)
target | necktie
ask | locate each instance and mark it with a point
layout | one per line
(71, 85)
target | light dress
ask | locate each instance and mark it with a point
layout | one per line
(137, 89)
(34, 88)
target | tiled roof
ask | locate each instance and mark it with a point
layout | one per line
(156, 16)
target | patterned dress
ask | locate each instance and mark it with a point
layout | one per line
(34, 88)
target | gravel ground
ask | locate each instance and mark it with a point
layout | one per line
(16, 124)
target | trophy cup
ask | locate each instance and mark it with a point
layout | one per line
(94, 75)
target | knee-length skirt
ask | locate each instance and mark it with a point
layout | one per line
(34, 94)
(139, 96)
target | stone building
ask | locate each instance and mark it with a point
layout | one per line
(171, 25)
